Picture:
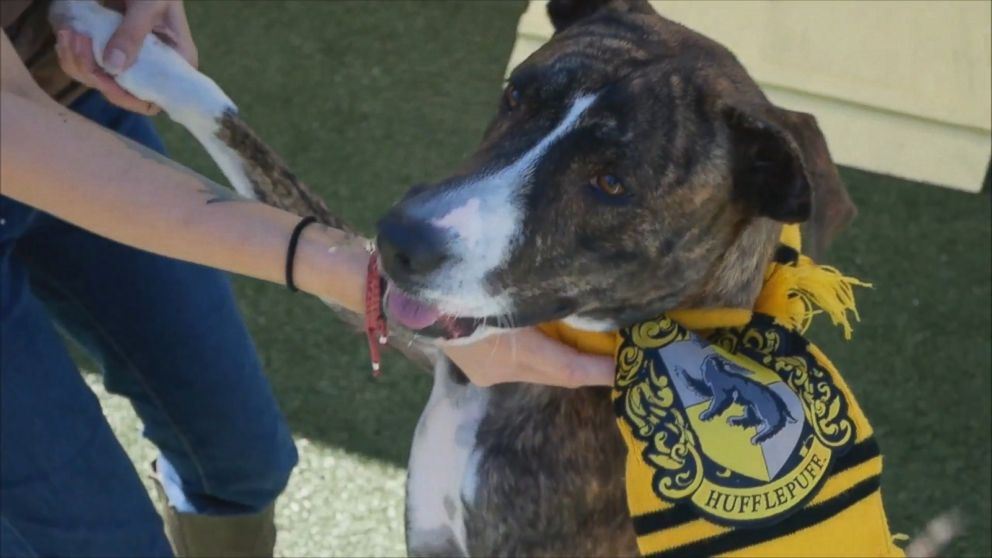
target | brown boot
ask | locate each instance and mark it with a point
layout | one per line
(218, 536)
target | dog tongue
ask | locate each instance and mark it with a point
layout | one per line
(409, 312)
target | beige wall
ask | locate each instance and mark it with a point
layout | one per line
(901, 88)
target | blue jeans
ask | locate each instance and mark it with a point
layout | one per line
(168, 336)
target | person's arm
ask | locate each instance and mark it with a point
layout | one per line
(53, 159)
(56, 160)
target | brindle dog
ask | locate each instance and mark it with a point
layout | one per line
(633, 167)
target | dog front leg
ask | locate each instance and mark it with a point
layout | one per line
(442, 473)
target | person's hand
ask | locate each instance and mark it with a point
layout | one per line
(527, 355)
(165, 18)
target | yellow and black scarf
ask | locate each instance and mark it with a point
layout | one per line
(742, 438)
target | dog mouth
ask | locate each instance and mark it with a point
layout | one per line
(426, 319)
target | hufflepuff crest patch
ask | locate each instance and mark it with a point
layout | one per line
(743, 425)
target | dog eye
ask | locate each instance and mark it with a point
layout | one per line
(608, 184)
(511, 97)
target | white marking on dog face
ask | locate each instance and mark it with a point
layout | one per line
(441, 464)
(484, 218)
(464, 221)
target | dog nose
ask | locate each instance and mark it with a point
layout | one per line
(410, 247)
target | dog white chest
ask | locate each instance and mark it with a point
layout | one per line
(443, 466)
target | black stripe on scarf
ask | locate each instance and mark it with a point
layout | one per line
(681, 514)
(743, 538)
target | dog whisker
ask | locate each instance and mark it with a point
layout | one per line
(495, 346)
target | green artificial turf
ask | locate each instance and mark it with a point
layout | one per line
(366, 98)
(920, 360)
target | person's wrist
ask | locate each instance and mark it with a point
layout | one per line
(331, 265)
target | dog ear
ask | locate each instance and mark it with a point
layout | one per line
(767, 167)
(564, 13)
(833, 209)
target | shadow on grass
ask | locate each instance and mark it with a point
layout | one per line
(365, 99)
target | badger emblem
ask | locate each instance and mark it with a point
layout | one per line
(724, 383)
(693, 401)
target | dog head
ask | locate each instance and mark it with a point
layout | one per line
(633, 167)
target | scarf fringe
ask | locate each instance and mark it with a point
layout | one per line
(794, 293)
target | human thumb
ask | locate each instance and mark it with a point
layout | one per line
(124, 45)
